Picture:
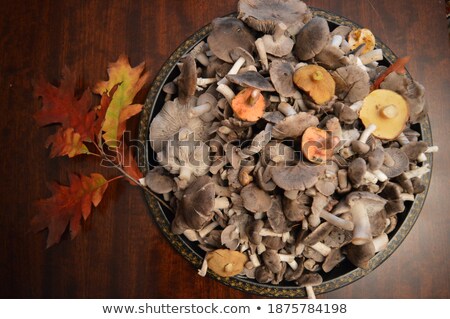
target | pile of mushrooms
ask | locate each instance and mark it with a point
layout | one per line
(276, 154)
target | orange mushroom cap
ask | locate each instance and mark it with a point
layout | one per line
(361, 36)
(318, 145)
(248, 107)
(316, 81)
(386, 109)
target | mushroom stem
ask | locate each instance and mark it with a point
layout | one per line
(260, 248)
(310, 292)
(285, 237)
(191, 234)
(259, 215)
(254, 96)
(342, 178)
(367, 132)
(292, 195)
(207, 229)
(206, 81)
(380, 242)
(345, 46)
(432, 149)
(336, 40)
(286, 109)
(362, 233)
(372, 56)
(199, 110)
(357, 106)
(304, 224)
(293, 264)
(237, 66)
(286, 258)
(418, 172)
(380, 175)
(202, 271)
(336, 221)
(185, 173)
(280, 29)
(221, 203)
(370, 178)
(255, 260)
(407, 197)
(402, 139)
(269, 232)
(262, 54)
(202, 58)
(166, 197)
(388, 160)
(226, 92)
(321, 248)
(299, 248)
(422, 157)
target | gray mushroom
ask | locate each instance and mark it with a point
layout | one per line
(334, 258)
(331, 58)
(279, 44)
(294, 125)
(311, 39)
(255, 199)
(171, 119)
(229, 33)
(187, 81)
(308, 281)
(360, 255)
(281, 76)
(276, 217)
(251, 79)
(264, 16)
(159, 183)
(195, 209)
(299, 177)
(296, 209)
(362, 205)
(398, 163)
(263, 275)
(352, 83)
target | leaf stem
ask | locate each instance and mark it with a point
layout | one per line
(115, 178)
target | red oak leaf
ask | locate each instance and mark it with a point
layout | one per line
(68, 205)
(66, 142)
(61, 106)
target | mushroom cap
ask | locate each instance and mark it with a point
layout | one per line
(187, 81)
(376, 158)
(356, 171)
(387, 110)
(360, 255)
(361, 36)
(341, 30)
(316, 81)
(195, 208)
(391, 191)
(413, 149)
(309, 279)
(318, 145)
(280, 47)
(372, 202)
(294, 126)
(272, 260)
(276, 217)
(352, 83)
(273, 242)
(332, 260)
(291, 274)
(229, 237)
(229, 33)
(312, 38)
(332, 57)
(225, 262)
(159, 183)
(263, 275)
(318, 234)
(299, 177)
(401, 162)
(277, 152)
(207, 98)
(251, 79)
(252, 229)
(239, 52)
(281, 76)
(295, 210)
(255, 199)
(171, 119)
(264, 15)
(244, 110)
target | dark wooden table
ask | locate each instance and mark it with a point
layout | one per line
(120, 252)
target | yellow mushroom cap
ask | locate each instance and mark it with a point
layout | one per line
(387, 110)
(316, 81)
(226, 262)
(361, 36)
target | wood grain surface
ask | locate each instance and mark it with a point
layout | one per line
(120, 252)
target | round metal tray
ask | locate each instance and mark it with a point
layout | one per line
(342, 275)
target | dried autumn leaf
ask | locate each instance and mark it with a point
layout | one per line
(130, 80)
(75, 115)
(68, 205)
